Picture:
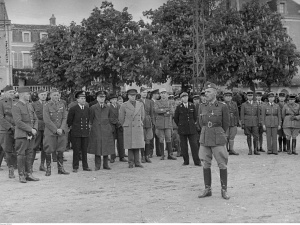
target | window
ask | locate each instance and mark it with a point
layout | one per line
(27, 60)
(26, 36)
(43, 35)
(18, 60)
(281, 8)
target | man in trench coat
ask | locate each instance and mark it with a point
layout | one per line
(131, 116)
(101, 142)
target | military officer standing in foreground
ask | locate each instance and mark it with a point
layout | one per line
(234, 121)
(260, 127)
(271, 121)
(7, 128)
(281, 134)
(38, 109)
(250, 117)
(25, 132)
(78, 122)
(55, 134)
(291, 123)
(214, 122)
(131, 116)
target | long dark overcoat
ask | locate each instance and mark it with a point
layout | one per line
(101, 139)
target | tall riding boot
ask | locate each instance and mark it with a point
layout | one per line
(147, 152)
(60, 164)
(280, 144)
(288, 147)
(29, 176)
(48, 163)
(249, 142)
(231, 151)
(143, 155)
(223, 178)
(43, 157)
(169, 148)
(162, 151)
(207, 183)
(21, 168)
(9, 161)
(255, 147)
(284, 144)
(294, 141)
(105, 163)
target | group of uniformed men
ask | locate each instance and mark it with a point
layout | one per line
(208, 125)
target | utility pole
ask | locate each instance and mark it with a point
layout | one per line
(199, 53)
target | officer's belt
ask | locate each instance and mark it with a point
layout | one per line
(211, 124)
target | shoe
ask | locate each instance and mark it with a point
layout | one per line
(185, 164)
(198, 164)
(96, 169)
(22, 179)
(31, 178)
(269, 153)
(162, 158)
(206, 193)
(75, 170)
(261, 150)
(42, 168)
(256, 153)
(62, 171)
(106, 168)
(130, 166)
(139, 165)
(224, 194)
(112, 160)
(87, 169)
(232, 152)
(276, 153)
(148, 160)
(172, 157)
(123, 160)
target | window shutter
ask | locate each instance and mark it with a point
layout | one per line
(15, 60)
(20, 60)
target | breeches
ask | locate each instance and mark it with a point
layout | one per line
(219, 153)
(231, 133)
(291, 132)
(54, 143)
(164, 134)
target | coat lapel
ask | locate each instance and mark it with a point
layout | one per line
(130, 106)
(137, 108)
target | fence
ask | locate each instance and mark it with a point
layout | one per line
(36, 88)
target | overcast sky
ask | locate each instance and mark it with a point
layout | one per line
(65, 11)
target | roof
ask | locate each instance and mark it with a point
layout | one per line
(297, 1)
(30, 27)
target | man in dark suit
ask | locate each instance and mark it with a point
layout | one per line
(78, 121)
(186, 118)
(118, 129)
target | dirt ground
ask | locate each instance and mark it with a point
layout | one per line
(263, 188)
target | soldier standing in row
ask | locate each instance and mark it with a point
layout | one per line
(55, 134)
(186, 118)
(131, 116)
(38, 108)
(155, 96)
(25, 131)
(214, 122)
(101, 140)
(271, 121)
(78, 122)
(164, 117)
(175, 135)
(7, 129)
(233, 123)
(147, 123)
(281, 134)
(250, 118)
(291, 123)
(260, 127)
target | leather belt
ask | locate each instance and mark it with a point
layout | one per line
(211, 124)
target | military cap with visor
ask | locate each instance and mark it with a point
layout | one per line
(80, 94)
(132, 92)
(101, 94)
(183, 94)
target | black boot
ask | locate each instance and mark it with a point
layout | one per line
(29, 176)
(21, 168)
(255, 147)
(162, 151)
(43, 157)
(147, 152)
(105, 163)
(284, 144)
(170, 152)
(280, 144)
(249, 144)
(288, 147)
(294, 147)
(48, 163)
(60, 164)
(223, 178)
(207, 183)
(143, 155)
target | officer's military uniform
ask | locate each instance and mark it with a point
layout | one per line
(260, 127)
(55, 117)
(163, 124)
(155, 136)
(250, 122)
(281, 134)
(291, 123)
(186, 118)
(233, 123)
(7, 127)
(176, 137)
(214, 122)
(25, 121)
(271, 119)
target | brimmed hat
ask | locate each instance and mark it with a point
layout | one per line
(176, 97)
(101, 94)
(143, 89)
(228, 93)
(183, 94)
(54, 90)
(259, 93)
(112, 96)
(41, 91)
(23, 89)
(162, 90)
(171, 97)
(196, 97)
(282, 94)
(80, 94)
(249, 92)
(155, 91)
(292, 96)
(271, 94)
(132, 92)
(210, 85)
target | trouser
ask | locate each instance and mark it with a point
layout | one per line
(219, 152)
(194, 148)
(272, 139)
(7, 142)
(281, 139)
(38, 144)
(164, 135)
(176, 141)
(157, 147)
(260, 136)
(291, 132)
(134, 156)
(252, 131)
(54, 143)
(231, 133)
(98, 161)
(120, 143)
(24, 150)
(80, 144)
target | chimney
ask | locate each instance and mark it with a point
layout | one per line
(52, 20)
